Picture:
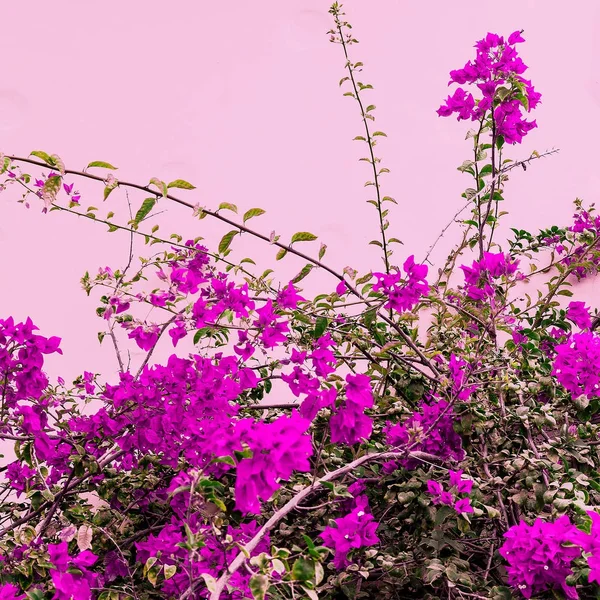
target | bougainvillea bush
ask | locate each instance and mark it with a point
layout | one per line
(442, 437)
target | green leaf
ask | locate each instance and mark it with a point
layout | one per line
(58, 163)
(149, 564)
(281, 254)
(182, 184)
(226, 241)
(44, 156)
(51, 188)
(228, 460)
(101, 164)
(376, 133)
(107, 190)
(253, 212)
(370, 108)
(303, 236)
(210, 581)
(322, 251)
(303, 273)
(259, 584)
(146, 207)
(153, 574)
(303, 569)
(319, 573)
(161, 185)
(228, 206)
(320, 326)
(169, 571)
(370, 317)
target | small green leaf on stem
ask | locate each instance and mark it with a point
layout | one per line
(44, 156)
(303, 236)
(303, 273)
(101, 164)
(181, 184)
(259, 584)
(226, 241)
(228, 206)
(147, 206)
(253, 212)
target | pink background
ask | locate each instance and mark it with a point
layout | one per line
(241, 99)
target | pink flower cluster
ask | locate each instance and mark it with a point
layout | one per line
(577, 364)
(431, 430)
(458, 485)
(579, 314)
(184, 409)
(459, 373)
(479, 275)
(8, 591)
(21, 360)
(349, 424)
(71, 577)
(496, 71)
(539, 556)
(355, 530)
(278, 449)
(212, 558)
(403, 295)
(584, 223)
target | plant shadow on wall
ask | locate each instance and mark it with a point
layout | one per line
(452, 466)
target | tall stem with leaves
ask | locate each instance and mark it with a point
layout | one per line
(345, 39)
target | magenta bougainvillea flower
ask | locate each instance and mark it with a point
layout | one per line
(539, 556)
(212, 558)
(579, 314)
(479, 276)
(8, 591)
(289, 298)
(145, 336)
(577, 364)
(278, 449)
(458, 485)
(355, 530)
(497, 73)
(403, 295)
(349, 424)
(459, 372)
(431, 430)
(71, 576)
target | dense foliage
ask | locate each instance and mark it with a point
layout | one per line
(443, 442)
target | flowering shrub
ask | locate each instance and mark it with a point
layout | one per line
(442, 437)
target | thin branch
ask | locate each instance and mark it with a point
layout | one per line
(484, 191)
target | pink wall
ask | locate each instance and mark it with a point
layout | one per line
(241, 99)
